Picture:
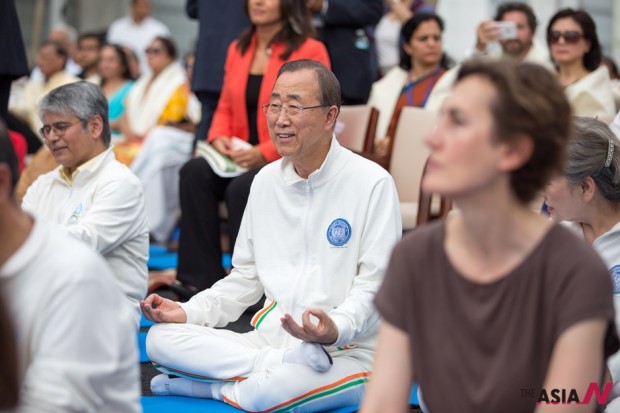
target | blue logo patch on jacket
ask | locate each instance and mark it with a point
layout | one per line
(75, 215)
(339, 232)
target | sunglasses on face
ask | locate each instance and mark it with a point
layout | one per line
(154, 50)
(570, 37)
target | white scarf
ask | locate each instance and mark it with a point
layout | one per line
(144, 107)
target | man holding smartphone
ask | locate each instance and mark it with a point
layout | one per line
(513, 27)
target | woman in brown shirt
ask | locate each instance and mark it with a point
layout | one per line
(496, 307)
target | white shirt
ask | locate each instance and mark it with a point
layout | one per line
(27, 105)
(104, 207)
(592, 96)
(138, 36)
(387, 40)
(75, 334)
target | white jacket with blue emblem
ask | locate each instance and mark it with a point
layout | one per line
(322, 242)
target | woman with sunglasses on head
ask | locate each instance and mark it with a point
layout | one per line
(280, 31)
(157, 98)
(576, 52)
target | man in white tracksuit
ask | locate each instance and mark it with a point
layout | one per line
(316, 236)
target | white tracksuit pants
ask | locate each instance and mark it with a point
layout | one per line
(249, 374)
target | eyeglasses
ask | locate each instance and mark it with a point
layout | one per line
(570, 37)
(59, 128)
(273, 110)
(154, 50)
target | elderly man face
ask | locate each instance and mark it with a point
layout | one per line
(299, 125)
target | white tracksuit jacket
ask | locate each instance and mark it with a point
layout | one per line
(322, 242)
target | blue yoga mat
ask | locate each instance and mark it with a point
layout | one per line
(142, 347)
(413, 399)
(162, 259)
(144, 323)
(157, 250)
(168, 404)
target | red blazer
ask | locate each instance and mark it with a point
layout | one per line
(230, 117)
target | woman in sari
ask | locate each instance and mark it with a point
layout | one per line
(157, 98)
(422, 64)
(116, 82)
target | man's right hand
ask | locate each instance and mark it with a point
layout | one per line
(487, 32)
(162, 310)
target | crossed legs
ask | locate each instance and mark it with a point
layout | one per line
(245, 371)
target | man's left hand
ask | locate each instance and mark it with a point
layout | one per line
(324, 332)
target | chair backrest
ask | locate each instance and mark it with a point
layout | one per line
(358, 125)
(409, 152)
(428, 209)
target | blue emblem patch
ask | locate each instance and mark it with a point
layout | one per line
(339, 232)
(77, 212)
(615, 278)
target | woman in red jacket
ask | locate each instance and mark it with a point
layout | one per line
(280, 31)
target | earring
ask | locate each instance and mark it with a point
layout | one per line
(294, 25)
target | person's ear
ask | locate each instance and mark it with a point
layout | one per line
(588, 189)
(332, 116)
(95, 126)
(407, 48)
(516, 153)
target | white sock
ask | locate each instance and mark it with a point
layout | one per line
(164, 385)
(309, 354)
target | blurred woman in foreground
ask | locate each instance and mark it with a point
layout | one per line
(496, 298)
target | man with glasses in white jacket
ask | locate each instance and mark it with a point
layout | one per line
(316, 236)
(90, 195)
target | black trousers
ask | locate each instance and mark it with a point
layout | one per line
(201, 190)
(5, 91)
(208, 103)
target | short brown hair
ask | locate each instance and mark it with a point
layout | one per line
(529, 101)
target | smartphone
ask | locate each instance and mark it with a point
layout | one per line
(508, 30)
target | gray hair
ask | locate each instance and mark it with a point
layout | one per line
(82, 100)
(594, 151)
(330, 94)
(72, 34)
